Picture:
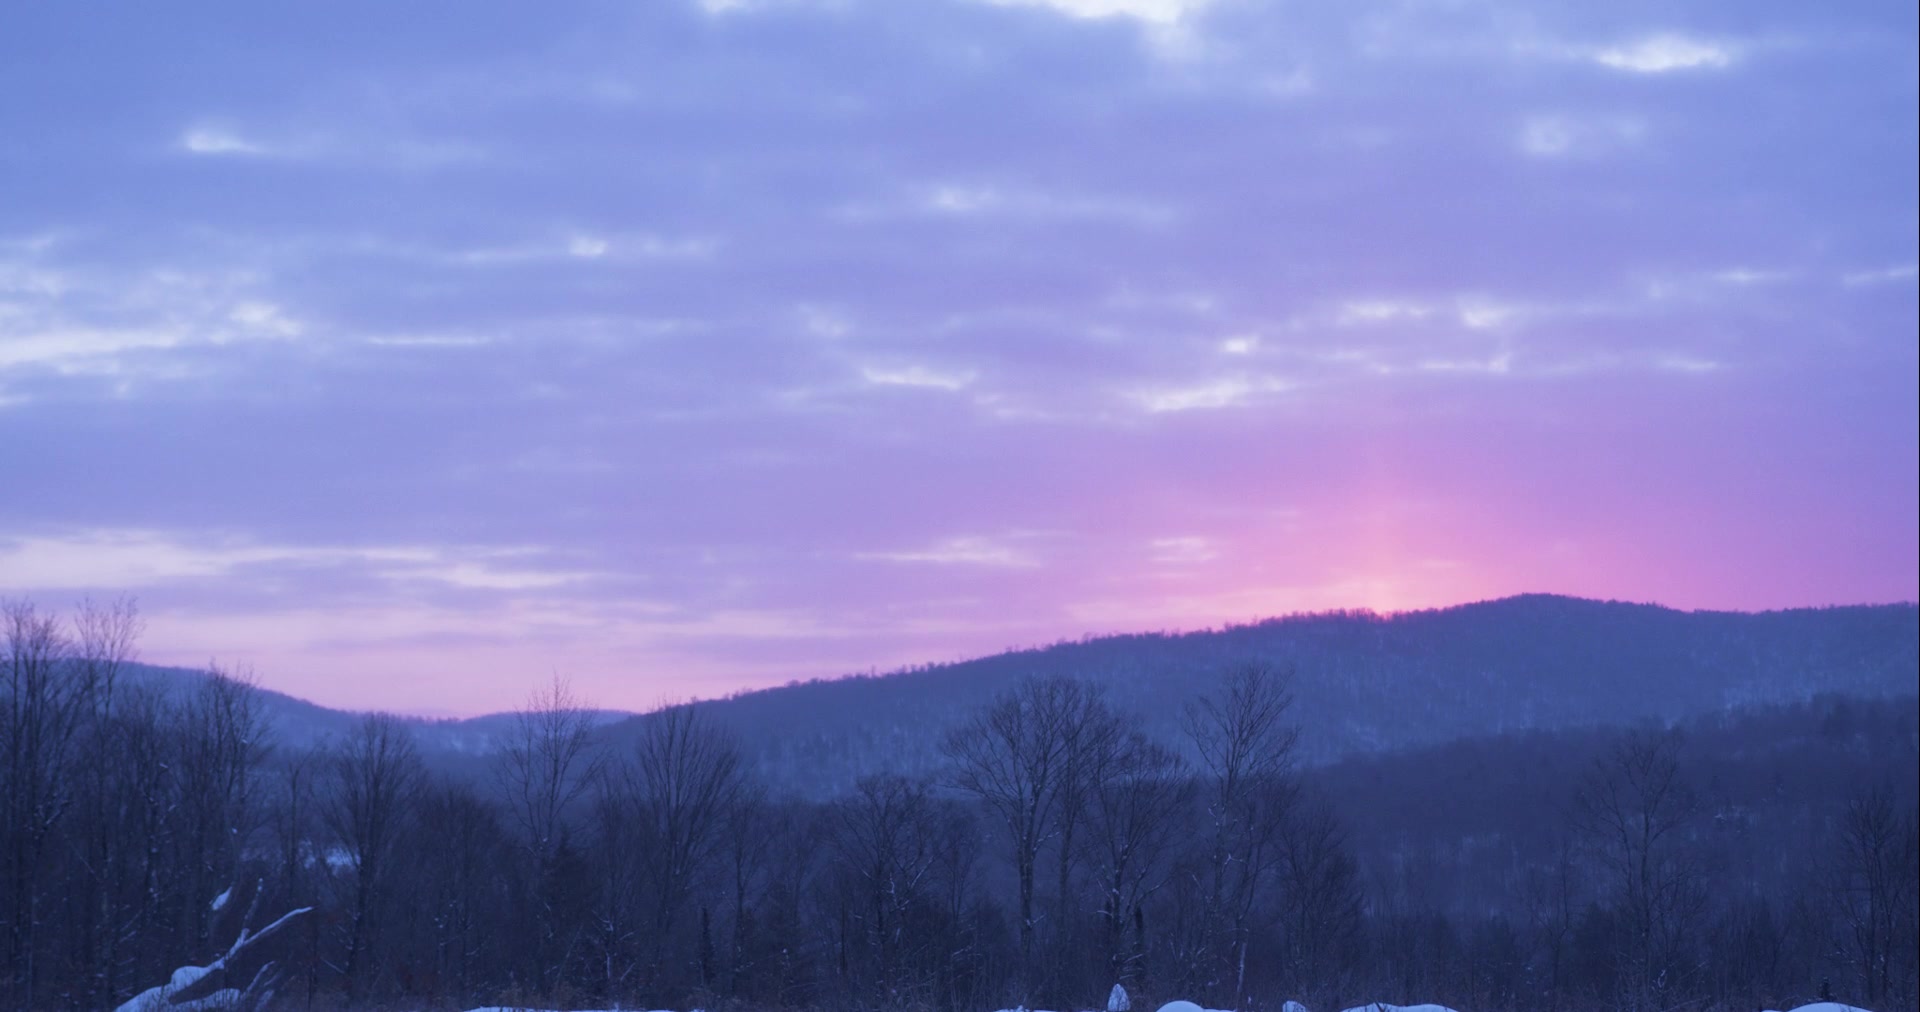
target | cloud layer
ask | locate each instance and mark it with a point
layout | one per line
(413, 353)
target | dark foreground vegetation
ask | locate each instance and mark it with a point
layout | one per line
(1748, 860)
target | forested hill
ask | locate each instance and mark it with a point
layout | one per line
(1362, 682)
(1366, 682)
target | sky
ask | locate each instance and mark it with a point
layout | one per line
(413, 354)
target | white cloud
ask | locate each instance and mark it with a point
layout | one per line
(1158, 12)
(1487, 314)
(966, 551)
(1240, 344)
(916, 376)
(962, 199)
(1225, 392)
(264, 319)
(80, 349)
(1010, 203)
(1666, 53)
(1185, 550)
(1499, 363)
(356, 146)
(587, 247)
(1365, 311)
(1684, 363)
(1747, 276)
(1882, 276)
(119, 559)
(217, 140)
(77, 323)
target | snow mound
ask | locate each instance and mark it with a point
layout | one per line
(1184, 1006)
(1117, 1000)
(1293, 1006)
(1829, 1006)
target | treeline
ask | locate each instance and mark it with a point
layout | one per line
(1364, 682)
(1060, 850)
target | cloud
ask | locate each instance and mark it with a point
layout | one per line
(1186, 550)
(1881, 276)
(1561, 136)
(220, 141)
(611, 248)
(1001, 203)
(1159, 12)
(1366, 311)
(587, 247)
(1223, 392)
(962, 551)
(92, 321)
(685, 298)
(132, 559)
(1240, 344)
(1747, 277)
(921, 376)
(357, 144)
(1666, 53)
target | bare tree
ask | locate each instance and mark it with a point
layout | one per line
(372, 777)
(220, 748)
(48, 699)
(1632, 811)
(684, 776)
(1246, 749)
(882, 843)
(1319, 897)
(1015, 756)
(104, 644)
(543, 768)
(1872, 883)
(1139, 791)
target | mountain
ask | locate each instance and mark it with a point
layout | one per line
(299, 724)
(1365, 682)
(1362, 682)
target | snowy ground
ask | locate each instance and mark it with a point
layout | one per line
(1187, 1006)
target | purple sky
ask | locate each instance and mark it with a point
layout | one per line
(413, 353)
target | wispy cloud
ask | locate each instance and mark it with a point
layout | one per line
(1222, 392)
(1882, 276)
(962, 551)
(1153, 11)
(922, 376)
(132, 559)
(1666, 53)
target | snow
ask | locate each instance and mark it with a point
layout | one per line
(159, 999)
(221, 900)
(1117, 1001)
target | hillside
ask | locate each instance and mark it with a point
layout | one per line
(1365, 682)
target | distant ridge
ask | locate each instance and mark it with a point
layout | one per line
(1363, 681)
